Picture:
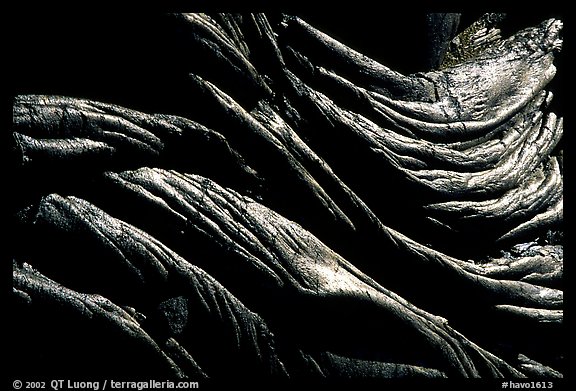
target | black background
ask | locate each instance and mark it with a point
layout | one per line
(123, 58)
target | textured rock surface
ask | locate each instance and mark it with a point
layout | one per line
(295, 209)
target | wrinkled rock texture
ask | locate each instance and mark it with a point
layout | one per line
(265, 201)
